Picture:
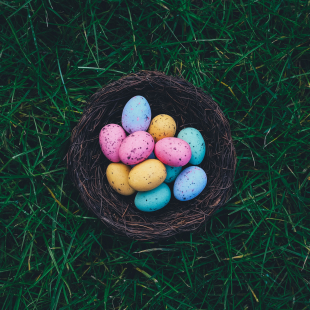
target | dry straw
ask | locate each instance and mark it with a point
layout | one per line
(190, 107)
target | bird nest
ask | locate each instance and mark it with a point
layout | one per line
(190, 107)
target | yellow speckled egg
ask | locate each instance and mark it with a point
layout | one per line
(117, 175)
(147, 175)
(162, 126)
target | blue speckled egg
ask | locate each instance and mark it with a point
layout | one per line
(190, 183)
(154, 199)
(172, 173)
(152, 156)
(136, 115)
(198, 146)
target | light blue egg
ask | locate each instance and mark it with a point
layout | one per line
(136, 115)
(190, 183)
(198, 146)
(152, 156)
(172, 173)
(153, 200)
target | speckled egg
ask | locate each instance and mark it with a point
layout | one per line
(162, 126)
(190, 183)
(147, 175)
(154, 199)
(136, 148)
(172, 173)
(173, 152)
(117, 175)
(152, 156)
(110, 138)
(198, 146)
(136, 115)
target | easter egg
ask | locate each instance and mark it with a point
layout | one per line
(152, 156)
(110, 138)
(136, 115)
(136, 148)
(172, 173)
(173, 152)
(190, 183)
(117, 175)
(198, 146)
(154, 199)
(147, 175)
(162, 126)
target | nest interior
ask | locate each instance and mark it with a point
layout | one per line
(190, 107)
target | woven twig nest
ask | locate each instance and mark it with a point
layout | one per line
(190, 107)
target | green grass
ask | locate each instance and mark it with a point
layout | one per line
(252, 56)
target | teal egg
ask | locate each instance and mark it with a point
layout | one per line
(172, 173)
(198, 146)
(153, 200)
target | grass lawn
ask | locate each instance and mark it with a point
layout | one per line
(252, 56)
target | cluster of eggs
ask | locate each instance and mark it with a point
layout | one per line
(151, 157)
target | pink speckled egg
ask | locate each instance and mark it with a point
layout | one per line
(173, 151)
(136, 148)
(110, 138)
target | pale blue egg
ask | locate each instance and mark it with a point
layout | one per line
(190, 183)
(153, 200)
(136, 115)
(198, 146)
(172, 173)
(152, 156)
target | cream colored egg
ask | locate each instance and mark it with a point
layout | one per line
(117, 175)
(147, 175)
(162, 126)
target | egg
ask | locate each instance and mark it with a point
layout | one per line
(152, 156)
(136, 148)
(117, 175)
(190, 183)
(198, 146)
(154, 199)
(147, 175)
(173, 152)
(110, 138)
(162, 126)
(172, 173)
(136, 115)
